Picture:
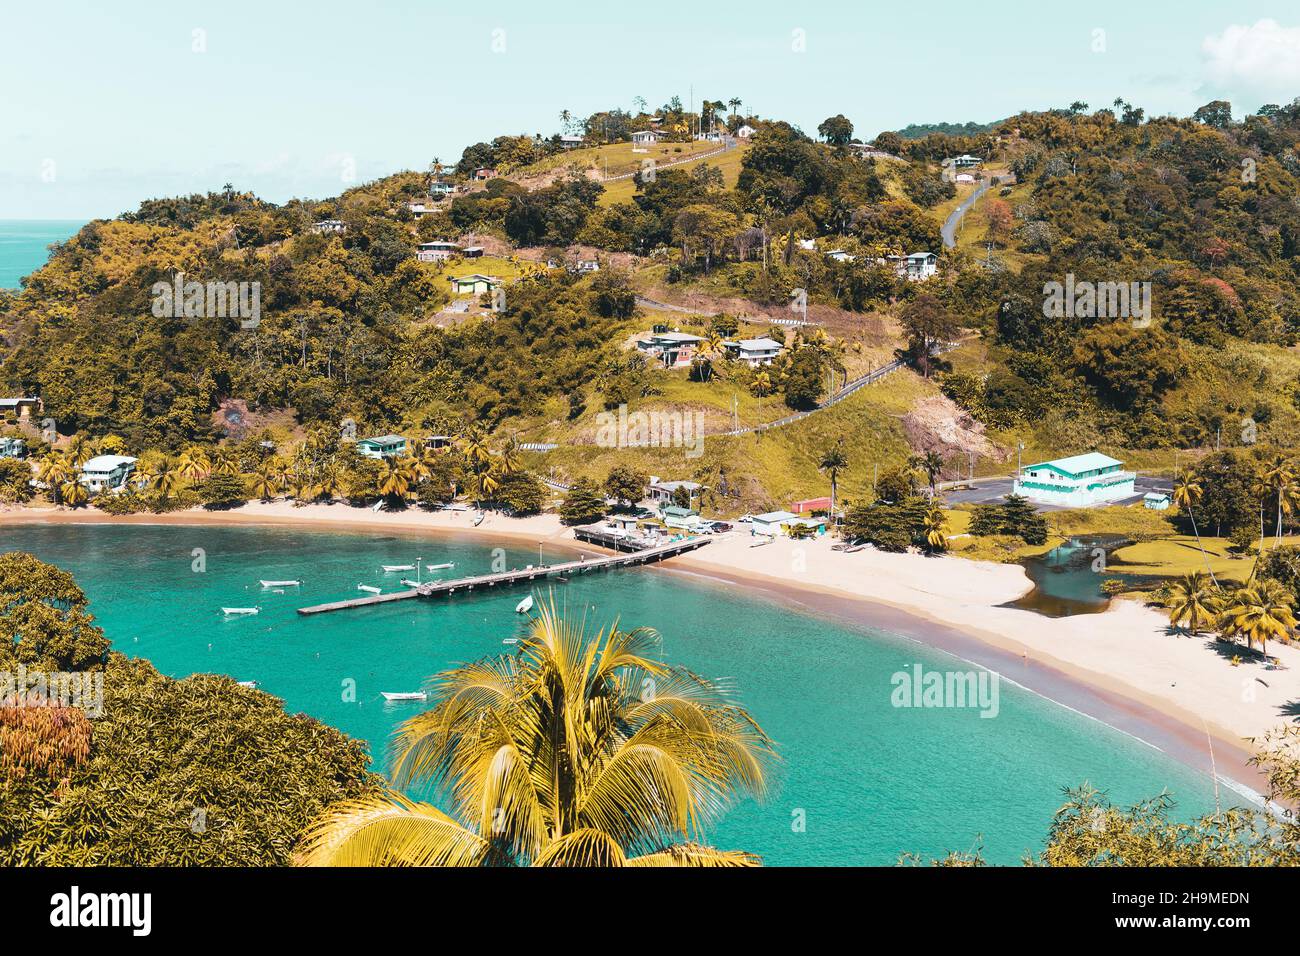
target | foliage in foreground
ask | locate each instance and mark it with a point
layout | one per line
(199, 771)
(577, 751)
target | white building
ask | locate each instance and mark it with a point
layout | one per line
(645, 137)
(672, 349)
(746, 131)
(107, 472)
(661, 492)
(922, 265)
(329, 225)
(771, 524)
(1156, 501)
(436, 251)
(1076, 482)
(754, 352)
(12, 447)
(570, 142)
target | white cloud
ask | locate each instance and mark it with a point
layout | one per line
(1261, 61)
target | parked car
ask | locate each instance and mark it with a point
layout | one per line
(720, 527)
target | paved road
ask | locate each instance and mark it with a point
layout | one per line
(949, 230)
(992, 491)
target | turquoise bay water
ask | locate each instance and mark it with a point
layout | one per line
(24, 242)
(869, 779)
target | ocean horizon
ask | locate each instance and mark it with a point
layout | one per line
(24, 245)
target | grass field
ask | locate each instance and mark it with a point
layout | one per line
(615, 159)
(622, 190)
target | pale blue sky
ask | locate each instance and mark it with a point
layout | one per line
(106, 104)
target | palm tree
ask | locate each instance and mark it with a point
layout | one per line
(1279, 478)
(1259, 612)
(509, 459)
(194, 464)
(931, 464)
(394, 479)
(54, 471)
(73, 493)
(933, 525)
(1194, 603)
(761, 385)
(734, 103)
(164, 477)
(223, 462)
(833, 461)
(1187, 492)
(329, 481)
(79, 451)
(265, 482)
(578, 750)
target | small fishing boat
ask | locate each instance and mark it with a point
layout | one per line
(279, 584)
(250, 684)
(409, 583)
(524, 606)
(240, 610)
(441, 567)
(398, 567)
(510, 640)
(370, 588)
(377, 505)
(405, 695)
(479, 520)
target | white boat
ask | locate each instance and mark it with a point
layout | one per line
(369, 587)
(510, 640)
(398, 567)
(240, 610)
(479, 520)
(280, 584)
(441, 567)
(377, 505)
(250, 684)
(409, 583)
(405, 695)
(524, 606)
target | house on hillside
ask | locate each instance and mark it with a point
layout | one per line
(472, 252)
(329, 225)
(709, 136)
(385, 446)
(474, 284)
(839, 255)
(662, 492)
(418, 208)
(967, 161)
(22, 407)
(921, 265)
(12, 448)
(753, 352)
(672, 349)
(437, 250)
(645, 137)
(571, 142)
(746, 131)
(441, 190)
(485, 172)
(107, 472)
(1076, 482)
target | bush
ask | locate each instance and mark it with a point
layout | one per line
(1015, 517)
(15, 480)
(584, 503)
(220, 491)
(521, 493)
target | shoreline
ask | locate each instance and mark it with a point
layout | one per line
(1087, 663)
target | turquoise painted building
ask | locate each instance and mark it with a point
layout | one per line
(1076, 482)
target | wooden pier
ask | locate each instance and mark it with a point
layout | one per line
(525, 576)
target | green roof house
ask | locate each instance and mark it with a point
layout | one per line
(385, 446)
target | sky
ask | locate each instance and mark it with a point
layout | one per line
(107, 104)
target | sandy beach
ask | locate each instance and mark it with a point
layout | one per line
(1123, 667)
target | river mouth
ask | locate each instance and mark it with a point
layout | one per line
(1067, 579)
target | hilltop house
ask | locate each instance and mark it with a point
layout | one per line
(570, 142)
(12, 447)
(672, 349)
(645, 137)
(107, 472)
(418, 208)
(754, 352)
(839, 255)
(329, 225)
(1075, 482)
(746, 131)
(485, 172)
(385, 446)
(436, 251)
(473, 284)
(441, 190)
(19, 407)
(966, 160)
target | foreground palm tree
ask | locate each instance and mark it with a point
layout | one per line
(580, 750)
(164, 477)
(1193, 603)
(1279, 480)
(933, 525)
(1187, 492)
(1257, 613)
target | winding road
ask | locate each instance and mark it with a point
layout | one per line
(949, 230)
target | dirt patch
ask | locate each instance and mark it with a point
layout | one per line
(939, 424)
(234, 419)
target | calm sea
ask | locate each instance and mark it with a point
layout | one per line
(24, 245)
(860, 780)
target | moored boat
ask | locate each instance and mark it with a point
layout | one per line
(279, 584)
(240, 610)
(405, 695)
(524, 606)
(370, 588)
